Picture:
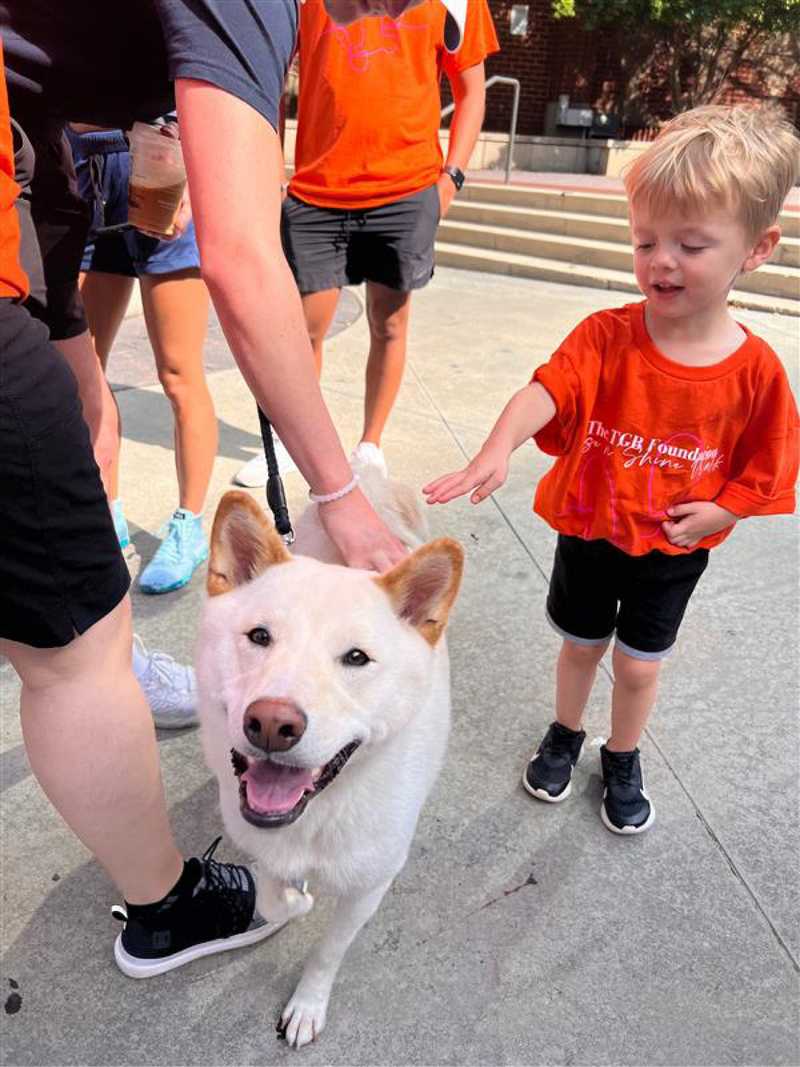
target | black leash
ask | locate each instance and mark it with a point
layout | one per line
(276, 498)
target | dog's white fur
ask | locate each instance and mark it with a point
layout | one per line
(353, 838)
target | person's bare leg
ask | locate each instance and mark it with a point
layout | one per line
(575, 675)
(105, 299)
(319, 309)
(388, 314)
(176, 312)
(633, 697)
(98, 403)
(91, 744)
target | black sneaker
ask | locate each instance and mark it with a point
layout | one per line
(211, 909)
(626, 808)
(548, 775)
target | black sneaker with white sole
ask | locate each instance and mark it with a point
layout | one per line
(626, 808)
(548, 775)
(212, 908)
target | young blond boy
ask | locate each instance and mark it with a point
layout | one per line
(670, 421)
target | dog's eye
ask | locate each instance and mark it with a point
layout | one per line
(260, 635)
(355, 658)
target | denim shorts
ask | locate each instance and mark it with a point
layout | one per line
(102, 164)
(597, 590)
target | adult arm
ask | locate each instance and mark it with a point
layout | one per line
(469, 95)
(234, 163)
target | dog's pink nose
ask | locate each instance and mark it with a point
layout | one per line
(274, 725)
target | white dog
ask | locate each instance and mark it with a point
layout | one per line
(329, 688)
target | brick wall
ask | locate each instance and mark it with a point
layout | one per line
(524, 57)
(557, 56)
(554, 57)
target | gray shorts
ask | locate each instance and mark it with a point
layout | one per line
(391, 244)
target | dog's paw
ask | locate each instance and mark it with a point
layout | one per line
(303, 1019)
(298, 902)
(279, 903)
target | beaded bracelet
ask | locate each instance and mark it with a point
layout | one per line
(328, 498)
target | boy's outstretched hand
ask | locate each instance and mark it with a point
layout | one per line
(693, 520)
(485, 473)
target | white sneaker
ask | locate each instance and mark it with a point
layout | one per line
(253, 474)
(170, 688)
(367, 454)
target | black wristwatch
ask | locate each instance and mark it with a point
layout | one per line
(456, 175)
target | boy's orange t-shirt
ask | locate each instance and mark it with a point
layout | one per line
(636, 432)
(13, 281)
(369, 105)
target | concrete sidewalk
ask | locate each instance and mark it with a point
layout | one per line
(519, 933)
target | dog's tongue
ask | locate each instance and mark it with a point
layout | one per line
(271, 787)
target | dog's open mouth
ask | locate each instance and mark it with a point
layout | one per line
(275, 794)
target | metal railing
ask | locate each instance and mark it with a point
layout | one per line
(500, 79)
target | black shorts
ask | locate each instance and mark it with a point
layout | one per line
(54, 221)
(391, 244)
(61, 568)
(596, 589)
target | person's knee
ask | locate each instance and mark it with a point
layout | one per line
(104, 648)
(635, 674)
(388, 319)
(319, 310)
(584, 656)
(177, 387)
(316, 334)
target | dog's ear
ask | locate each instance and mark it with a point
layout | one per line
(243, 544)
(424, 586)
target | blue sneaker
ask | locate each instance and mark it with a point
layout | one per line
(181, 552)
(120, 524)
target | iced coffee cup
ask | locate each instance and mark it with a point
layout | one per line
(157, 180)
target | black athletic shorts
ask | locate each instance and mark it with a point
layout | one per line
(391, 244)
(597, 589)
(54, 222)
(61, 568)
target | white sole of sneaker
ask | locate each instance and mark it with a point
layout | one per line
(157, 590)
(134, 967)
(542, 794)
(627, 831)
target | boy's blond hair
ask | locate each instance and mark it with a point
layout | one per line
(743, 158)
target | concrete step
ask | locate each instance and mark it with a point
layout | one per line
(546, 198)
(542, 220)
(575, 224)
(578, 201)
(772, 280)
(612, 254)
(526, 266)
(787, 254)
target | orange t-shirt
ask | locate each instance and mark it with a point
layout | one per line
(635, 432)
(13, 281)
(369, 106)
